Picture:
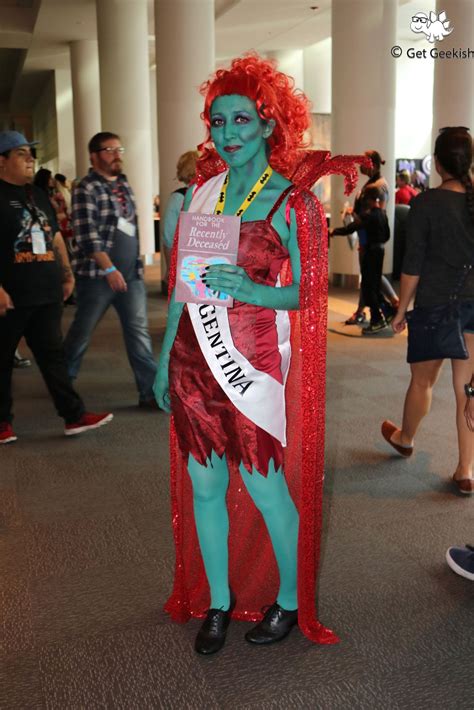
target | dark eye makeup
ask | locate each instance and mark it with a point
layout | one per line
(217, 121)
(242, 117)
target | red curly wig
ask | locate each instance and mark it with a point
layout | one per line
(275, 98)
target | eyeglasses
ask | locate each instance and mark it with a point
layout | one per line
(110, 150)
(419, 19)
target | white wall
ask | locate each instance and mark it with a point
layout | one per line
(414, 101)
(317, 75)
(290, 62)
(414, 87)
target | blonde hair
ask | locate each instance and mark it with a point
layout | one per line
(186, 166)
(405, 176)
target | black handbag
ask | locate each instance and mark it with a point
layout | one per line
(435, 333)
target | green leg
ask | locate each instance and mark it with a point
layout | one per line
(272, 498)
(210, 485)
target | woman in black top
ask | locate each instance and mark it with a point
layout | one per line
(388, 299)
(440, 243)
(373, 220)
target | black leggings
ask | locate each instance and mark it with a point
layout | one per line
(41, 326)
(372, 264)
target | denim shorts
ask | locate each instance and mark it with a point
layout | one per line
(466, 310)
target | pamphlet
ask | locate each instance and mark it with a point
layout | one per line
(204, 239)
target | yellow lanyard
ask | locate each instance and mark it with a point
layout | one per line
(262, 180)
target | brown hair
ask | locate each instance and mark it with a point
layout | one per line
(376, 159)
(453, 148)
(95, 143)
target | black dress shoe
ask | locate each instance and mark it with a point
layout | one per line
(211, 636)
(275, 626)
(21, 362)
(150, 404)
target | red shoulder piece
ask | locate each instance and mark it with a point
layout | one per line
(315, 164)
(311, 165)
(173, 263)
(208, 165)
(305, 397)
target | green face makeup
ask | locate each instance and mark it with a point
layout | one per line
(237, 130)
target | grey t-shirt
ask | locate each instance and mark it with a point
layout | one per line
(440, 242)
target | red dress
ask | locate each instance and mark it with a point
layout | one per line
(203, 418)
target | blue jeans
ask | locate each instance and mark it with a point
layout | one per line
(94, 296)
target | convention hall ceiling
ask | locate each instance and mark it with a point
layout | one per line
(34, 35)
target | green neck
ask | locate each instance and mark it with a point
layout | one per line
(242, 179)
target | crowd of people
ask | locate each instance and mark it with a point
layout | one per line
(245, 387)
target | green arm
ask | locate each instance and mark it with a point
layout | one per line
(161, 384)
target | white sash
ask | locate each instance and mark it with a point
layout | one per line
(256, 394)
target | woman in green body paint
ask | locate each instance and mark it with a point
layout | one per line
(217, 441)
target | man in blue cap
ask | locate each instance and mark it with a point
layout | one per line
(35, 278)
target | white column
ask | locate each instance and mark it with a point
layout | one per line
(184, 59)
(86, 98)
(363, 104)
(65, 123)
(290, 62)
(453, 96)
(154, 132)
(122, 31)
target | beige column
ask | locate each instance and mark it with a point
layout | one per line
(86, 98)
(363, 106)
(65, 122)
(122, 30)
(184, 59)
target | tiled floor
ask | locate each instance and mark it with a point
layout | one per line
(86, 554)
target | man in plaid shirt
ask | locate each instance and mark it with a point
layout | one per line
(107, 265)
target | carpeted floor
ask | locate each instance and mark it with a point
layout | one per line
(86, 554)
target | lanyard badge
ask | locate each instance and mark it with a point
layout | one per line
(262, 180)
(38, 241)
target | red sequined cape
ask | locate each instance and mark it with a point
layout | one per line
(252, 568)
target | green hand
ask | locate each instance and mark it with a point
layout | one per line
(161, 388)
(161, 384)
(234, 281)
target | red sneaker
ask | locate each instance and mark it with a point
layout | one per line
(89, 420)
(7, 435)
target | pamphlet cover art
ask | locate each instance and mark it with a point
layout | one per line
(191, 269)
(204, 239)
